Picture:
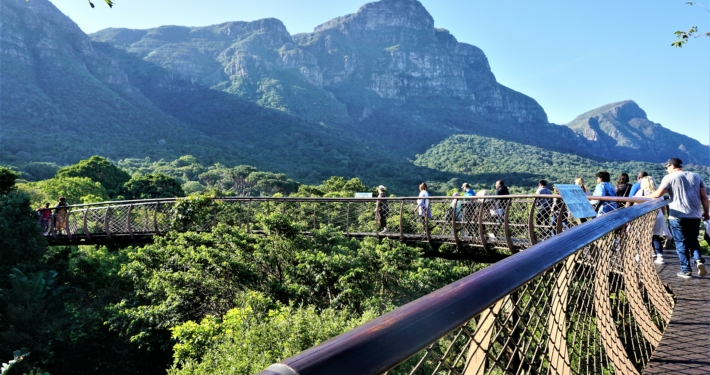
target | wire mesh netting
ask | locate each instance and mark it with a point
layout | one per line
(602, 310)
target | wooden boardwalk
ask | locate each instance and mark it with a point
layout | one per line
(685, 346)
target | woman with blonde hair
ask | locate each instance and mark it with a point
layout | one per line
(648, 186)
(580, 181)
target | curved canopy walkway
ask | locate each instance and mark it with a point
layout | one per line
(486, 228)
(586, 301)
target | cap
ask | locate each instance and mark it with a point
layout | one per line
(674, 162)
(465, 185)
(382, 187)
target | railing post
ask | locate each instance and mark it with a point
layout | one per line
(128, 220)
(401, 221)
(155, 218)
(66, 225)
(52, 226)
(249, 216)
(107, 226)
(531, 223)
(506, 226)
(86, 226)
(454, 221)
(347, 221)
(481, 230)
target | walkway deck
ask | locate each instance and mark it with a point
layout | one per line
(685, 346)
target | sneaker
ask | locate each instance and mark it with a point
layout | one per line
(384, 230)
(702, 271)
(659, 260)
(685, 275)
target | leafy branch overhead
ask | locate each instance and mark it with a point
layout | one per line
(684, 36)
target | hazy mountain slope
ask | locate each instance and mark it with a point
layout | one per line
(62, 100)
(622, 131)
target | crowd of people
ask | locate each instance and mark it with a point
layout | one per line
(688, 207)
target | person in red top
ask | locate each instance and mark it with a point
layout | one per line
(45, 214)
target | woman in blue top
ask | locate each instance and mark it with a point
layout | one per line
(604, 189)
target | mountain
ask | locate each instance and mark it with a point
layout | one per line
(622, 131)
(61, 99)
(361, 95)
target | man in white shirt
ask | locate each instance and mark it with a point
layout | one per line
(687, 207)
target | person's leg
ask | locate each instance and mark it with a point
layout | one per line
(691, 231)
(680, 248)
(657, 245)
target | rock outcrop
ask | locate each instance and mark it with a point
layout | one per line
(622, 131)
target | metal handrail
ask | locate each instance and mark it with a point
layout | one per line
(384, 342)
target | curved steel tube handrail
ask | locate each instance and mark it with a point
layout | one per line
(384, 342)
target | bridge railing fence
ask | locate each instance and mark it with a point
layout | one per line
(495, 224)
(587, 301)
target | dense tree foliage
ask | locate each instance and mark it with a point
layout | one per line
(76, 190)
(152, 186)
(7, 179)
(99, 169)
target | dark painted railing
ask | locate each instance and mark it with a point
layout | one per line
(587, 301)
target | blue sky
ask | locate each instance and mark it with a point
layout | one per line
(571, 56)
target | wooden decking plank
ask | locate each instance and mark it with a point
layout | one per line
(685, 345)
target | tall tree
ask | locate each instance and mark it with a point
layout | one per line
(99, 169)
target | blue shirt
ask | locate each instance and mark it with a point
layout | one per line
(635, 188)
(604, 189)
(469, 193)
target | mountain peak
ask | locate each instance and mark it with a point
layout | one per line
(383, 14)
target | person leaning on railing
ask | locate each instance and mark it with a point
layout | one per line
(687, 207)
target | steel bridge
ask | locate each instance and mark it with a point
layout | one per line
(485, 229)
(582, 298)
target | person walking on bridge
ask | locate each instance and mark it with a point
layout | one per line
(381, 210)
(688, 206)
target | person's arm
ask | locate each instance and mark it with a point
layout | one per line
(660, 192)
(704, 201)
(598, 192)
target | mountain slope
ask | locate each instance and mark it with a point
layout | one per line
(622, 131)
(61, 99)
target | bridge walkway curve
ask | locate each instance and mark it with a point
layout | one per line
(685, 346)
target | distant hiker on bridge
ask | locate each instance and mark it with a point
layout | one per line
(603, 189)
(381, 210)
(60, 215)
(423, 204)
(637, 185)
(543, 205)
(501, 189)
(648, 186)
(45, 215)
(688, 206)
(467, 190)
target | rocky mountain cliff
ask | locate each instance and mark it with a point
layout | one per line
(380, 74)
(362, 94)
(622, 131)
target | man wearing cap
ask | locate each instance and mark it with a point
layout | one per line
(688, 206)
(467, 190)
